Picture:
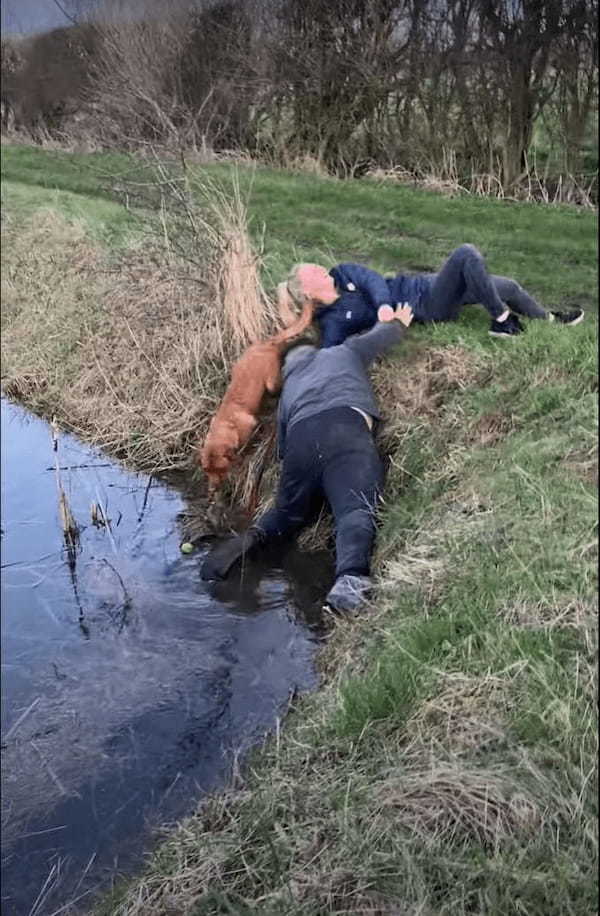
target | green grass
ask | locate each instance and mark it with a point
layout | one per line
(448, 764)
(77, 187)
(550, 250)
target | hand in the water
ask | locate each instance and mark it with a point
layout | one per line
(224, 555)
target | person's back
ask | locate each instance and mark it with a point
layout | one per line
(319, 379)
(315, 380)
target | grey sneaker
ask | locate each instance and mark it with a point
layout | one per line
(348, 593)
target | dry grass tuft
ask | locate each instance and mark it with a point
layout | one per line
(452, 802)
(416, 390)
(467, 713)
(422, 560)
(419, 564)
(444, 177)
(133, 356)
(574, 614)
(419, 386)
(491, 428)
(250, 315)
(584, 463)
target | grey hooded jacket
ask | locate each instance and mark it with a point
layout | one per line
(319, 379)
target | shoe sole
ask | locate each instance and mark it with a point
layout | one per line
(502, 334)
(568, 324)
(578, 320)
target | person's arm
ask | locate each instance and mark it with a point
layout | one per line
(368, 281)
(389, 330)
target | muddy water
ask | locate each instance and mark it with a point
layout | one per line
(129, 688)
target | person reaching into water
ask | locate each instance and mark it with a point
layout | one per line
(353, 293)
(326, 418)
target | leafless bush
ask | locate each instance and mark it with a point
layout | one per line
(451, 94)
(533, 185)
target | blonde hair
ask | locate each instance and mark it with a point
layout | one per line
(290, 296)
(285, 304)
(294, 286)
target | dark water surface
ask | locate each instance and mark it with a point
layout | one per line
(128, 688)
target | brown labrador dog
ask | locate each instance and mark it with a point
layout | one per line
(256, 371)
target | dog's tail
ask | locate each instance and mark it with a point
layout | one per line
(299, 326)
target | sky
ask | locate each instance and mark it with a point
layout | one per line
(26, 16)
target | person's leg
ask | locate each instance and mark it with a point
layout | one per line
(463, 275)
(352, 482)
(519, 300)
(296, 501)
(512, 294)
(297, 494)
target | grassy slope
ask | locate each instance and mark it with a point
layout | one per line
(449, 765)
(550, 250)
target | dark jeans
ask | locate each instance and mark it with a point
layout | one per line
(331, 454)
(464, 280)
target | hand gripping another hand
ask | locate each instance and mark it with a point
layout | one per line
(403, 314)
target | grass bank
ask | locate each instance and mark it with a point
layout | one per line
(448, 764)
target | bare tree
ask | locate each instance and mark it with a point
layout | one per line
(409, 83)
(576, 63)
(52, 81)
(518, 37)
(334, 64)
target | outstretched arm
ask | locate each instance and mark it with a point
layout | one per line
(389, 330)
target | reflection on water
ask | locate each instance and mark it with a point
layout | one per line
(128, 687)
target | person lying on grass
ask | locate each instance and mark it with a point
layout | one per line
(353, 294)
(327, 411)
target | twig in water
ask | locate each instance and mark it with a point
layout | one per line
(127, 603)
(46, 889)
(55, 431)
(107, 525)
(69, 525)
(21, 719)
(52, 774)
(77, 467)
(146, 492)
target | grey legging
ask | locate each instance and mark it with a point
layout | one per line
(464, 280)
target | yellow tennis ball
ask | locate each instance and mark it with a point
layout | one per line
(186, 547)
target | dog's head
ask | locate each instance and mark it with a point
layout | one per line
(216, 466)
(216, 477)
(217, 454)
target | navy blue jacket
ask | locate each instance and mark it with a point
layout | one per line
(362, 292)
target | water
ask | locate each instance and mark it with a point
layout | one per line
(129, 687)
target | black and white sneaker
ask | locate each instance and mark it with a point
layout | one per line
(575, 316)
(510, 327)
